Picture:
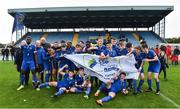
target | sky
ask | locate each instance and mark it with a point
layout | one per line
(6, 21)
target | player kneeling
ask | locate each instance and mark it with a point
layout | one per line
(119, 84)
(62, 86)
(81, 83)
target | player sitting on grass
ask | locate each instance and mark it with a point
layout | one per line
(61, 86)
(81, 83)
(119, 84)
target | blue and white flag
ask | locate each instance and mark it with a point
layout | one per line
(105, 69)
(18, 22)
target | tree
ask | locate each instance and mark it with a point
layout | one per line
(173, 40)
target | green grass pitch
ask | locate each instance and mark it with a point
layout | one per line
(9, 97)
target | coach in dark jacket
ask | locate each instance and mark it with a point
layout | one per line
(18, 59)
(3, 53)
(7, 54)
(12, 51)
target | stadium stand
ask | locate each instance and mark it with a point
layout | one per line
(150, 38)
(102, 17)
(85, 35)
(58, 36)
(125, 34)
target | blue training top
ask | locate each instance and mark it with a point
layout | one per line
(28, 52)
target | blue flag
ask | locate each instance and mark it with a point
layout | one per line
(18, 22)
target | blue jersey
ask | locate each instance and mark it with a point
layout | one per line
(99, 49)
(46, 60)
(122, 51)
(111, 53)
(154, 66)
(40, 51)
(115, 47)
(67, 82)
(57, 55)
(150, 55)
(70, 50)
(56, 58)
(138, 57)
(63, 60)
(79, 79)
(28, 52)
(116, 86)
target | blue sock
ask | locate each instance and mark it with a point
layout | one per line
(47, 77)
(107, 98)
(78, 91)
(149, 83)
(88, 91)
(140, 84)
(60, 92)
(157, 85)
(135, 85)
(44, 85)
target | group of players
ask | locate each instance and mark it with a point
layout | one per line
(44, 58)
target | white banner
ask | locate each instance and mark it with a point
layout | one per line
(105, 69)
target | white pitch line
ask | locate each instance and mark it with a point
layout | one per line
(170, 100)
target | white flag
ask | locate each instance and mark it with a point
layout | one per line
(105, 69)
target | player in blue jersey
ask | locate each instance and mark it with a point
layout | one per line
(63, 60)
(40, 66)
(139, 56)
(28, 63)
(114, 44)
(81, 82)
(70, 48)
(55, 60)
(78, 49)
(112, 88)
(98, 50)
(47, 63)
(87, 49)
(61, 86)
(132, 83)
(122, 50)
(109, 52)
(154, 67)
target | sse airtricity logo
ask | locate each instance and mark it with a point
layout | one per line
(92, 63)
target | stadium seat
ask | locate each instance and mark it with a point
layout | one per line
(150, 38)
